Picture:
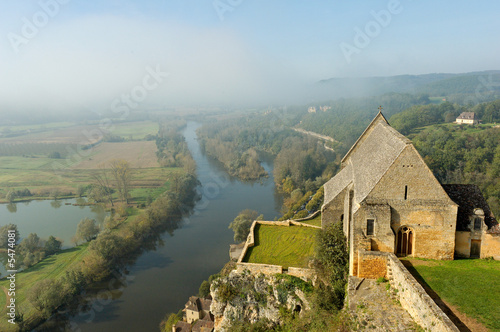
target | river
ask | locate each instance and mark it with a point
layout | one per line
(161, 280)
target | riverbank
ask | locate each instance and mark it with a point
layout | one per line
(83, 266)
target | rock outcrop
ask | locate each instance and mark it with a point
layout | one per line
(241, 296)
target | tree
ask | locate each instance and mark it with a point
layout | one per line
(52, 245)
(11, 196)
(204, 290)
(87, 229)
(73, 282)
(331, 264)
(4, 234)
(169, 321)
(101, 190)
(241, 224)
(29, 259)
(46, 296)
(122, 174)
(80, 191)
(31, 243)
(109, 246)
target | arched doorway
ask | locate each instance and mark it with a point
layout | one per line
(404, 243)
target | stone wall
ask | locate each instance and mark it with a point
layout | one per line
(372, 264)
(415, 300)
(259, 268)
(251, 237)
(490, 246)
(305, 274)
(462, 244)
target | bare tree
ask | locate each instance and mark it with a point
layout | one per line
(103, 183)
(122, 174)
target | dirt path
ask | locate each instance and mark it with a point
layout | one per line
(374, 309)
(323, 137)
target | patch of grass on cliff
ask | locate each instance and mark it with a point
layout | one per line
(469, 284)
(280, 245)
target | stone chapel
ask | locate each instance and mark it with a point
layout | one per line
(390, 201)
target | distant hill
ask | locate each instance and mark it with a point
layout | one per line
(432, 84)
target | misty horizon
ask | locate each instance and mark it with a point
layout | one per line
(65, 56)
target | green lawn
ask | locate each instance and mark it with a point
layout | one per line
(316, 221)
(281, 245)
(52, 267)
(472, 285)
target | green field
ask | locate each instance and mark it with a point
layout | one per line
(37, 175)
(135, 130)
(52, 267)
(280, 245)
(471, 285)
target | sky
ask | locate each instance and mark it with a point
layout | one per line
(94, 55)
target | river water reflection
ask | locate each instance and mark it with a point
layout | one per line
(161, 280)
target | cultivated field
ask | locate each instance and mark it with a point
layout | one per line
(24, 161)
(140, 154)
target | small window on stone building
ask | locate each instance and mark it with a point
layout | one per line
(406, 193)
(477, 224)
(370, 223)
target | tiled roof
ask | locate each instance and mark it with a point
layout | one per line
(182, 326)
(203, 325)
(205, 304)
(368, 160)
(198, 304)
(469, 197)
(467, 116)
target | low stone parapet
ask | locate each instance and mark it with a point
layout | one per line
(259, 268)
(415, 300)
(304, 274)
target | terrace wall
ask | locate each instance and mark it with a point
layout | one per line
(305, 274)
(415, 300)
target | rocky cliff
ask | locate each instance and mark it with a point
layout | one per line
(241, 296)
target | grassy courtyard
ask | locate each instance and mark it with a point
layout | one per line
(470, 285)
(280, 245)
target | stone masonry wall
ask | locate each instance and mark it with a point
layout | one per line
(490, 246)
(372, 264)
(415, 300)
(259, 268)
(462, 244)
